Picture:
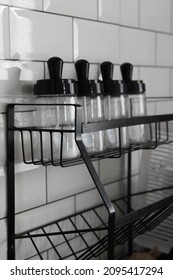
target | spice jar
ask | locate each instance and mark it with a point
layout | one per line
(56, 117)
(90, 98)
(137, 104)
(115, 104)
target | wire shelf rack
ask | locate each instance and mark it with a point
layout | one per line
(89, 228)
(32, 138)
(98, 229)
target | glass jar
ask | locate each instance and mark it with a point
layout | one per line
(60, 94)
(115, 108)
(91, 99)
(137, 108)
(66, 117)
(115, 104)
(136, 105)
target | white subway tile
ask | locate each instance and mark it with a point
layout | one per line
(129, 12)
(114, 190)
(64, 182)
(164, 49)
(157, 81)
(45, 214)
(137, 46)
(94, 71)
(155, 14)
(36, 35)
(29, 4)
(111, 170)
(3, 240)
(17, 78)
(4, 33)
(29, 195)
(92, 198)
(101, 40)
(76, 8)
(164, 107)
(88, 200)
(151, 108)
(109, 10)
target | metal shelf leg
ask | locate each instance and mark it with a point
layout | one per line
(10, 185)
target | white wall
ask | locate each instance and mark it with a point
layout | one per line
(31, 31)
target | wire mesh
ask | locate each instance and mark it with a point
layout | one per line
(83, 240)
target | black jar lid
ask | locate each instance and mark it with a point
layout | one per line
(114, 88)
(96, 87)
(133, 86)
(82, 71)
(55, 85)
(87, 87)
(111, 87)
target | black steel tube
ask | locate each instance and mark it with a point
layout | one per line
(107, 202)
(10, 184)
(129, 191)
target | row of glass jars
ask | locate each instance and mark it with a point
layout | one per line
(100, 100)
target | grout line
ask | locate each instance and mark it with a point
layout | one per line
(91, 63)
(70, 196)
(95, 20)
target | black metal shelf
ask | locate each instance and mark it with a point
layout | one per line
(114, 226)
(94, 221)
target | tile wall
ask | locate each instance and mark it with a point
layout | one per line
(31, 31)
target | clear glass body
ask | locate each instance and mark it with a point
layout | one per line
(137, 108)
(24, 117)
(70, 148)
(115, 108)
(66, 114)
(92, 108)
(124, 114)
(56, 117)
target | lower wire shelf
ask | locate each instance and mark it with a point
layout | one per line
(84, 235)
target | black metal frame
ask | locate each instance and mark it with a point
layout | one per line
(117, 229)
